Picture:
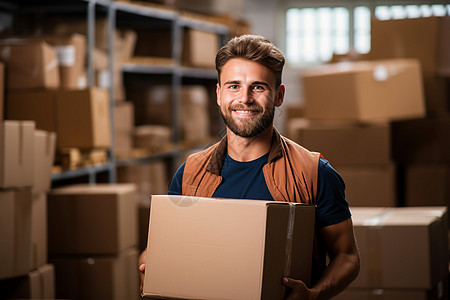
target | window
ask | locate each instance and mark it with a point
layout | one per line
(314, 34)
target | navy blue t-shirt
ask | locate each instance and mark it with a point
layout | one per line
(245, 180)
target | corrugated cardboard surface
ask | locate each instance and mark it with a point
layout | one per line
(16, 153)
(83, 118)
(200, 247)
(200, 48)
(344, 143)
(30, 64)
(92, 219)
(365, 91)
(15, 232)
(402, 247)
(38, 253)
(123, 126)
(44, 156)
(97, 277)
(370, 185)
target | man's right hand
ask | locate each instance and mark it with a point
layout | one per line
(141, 268)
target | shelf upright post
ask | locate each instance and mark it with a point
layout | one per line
(90, 42)
(111, 62)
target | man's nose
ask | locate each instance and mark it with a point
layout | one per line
(245, 96)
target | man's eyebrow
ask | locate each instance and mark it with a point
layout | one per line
(232, 82)
(260, 83)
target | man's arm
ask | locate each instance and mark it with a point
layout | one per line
(342, 269)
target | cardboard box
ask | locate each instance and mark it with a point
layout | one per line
(83, 118)
(154, 138)
(365, 91)
(200, 247)
(15, 232)
(98, 277)
(92, 219)
(194, 113)
(150, 178)
(425, 39)
(344, 143)
(402, 247)
(37, 284)
(383, 294)
(29, 64)
(427, 184)
(39, 106)
(2, 90)
(421, 140)
(370, 185)
(123, 127)
(39, 250)
(152, 104)
(80, 118)
(16, 154)
(199, 48)
(71, 51)
(44, 157)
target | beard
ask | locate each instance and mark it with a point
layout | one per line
(249, 127)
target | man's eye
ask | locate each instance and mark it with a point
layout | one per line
(258, 87)
(233, 87)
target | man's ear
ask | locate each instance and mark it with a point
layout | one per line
(280, 95)
(218, 94)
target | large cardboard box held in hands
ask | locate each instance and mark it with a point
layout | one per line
(15, 232)
(16, 154)
(92, 219)
(365, 91)
(203, 248)
(29, 64)
(111, 277)
(402, 247)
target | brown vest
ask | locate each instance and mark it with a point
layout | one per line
(290, 174)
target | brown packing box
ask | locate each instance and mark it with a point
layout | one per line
(421, 140)
(402, 247)
(37, 284)
(154, 138)
(44, 157)
(370, 185)
(194, 114)
(200, 48)
(427, 184)
(39, 106)
(152, 105)
(38, 253)
(123, 126)
(16, 154)
(80, 118)
(15, 232)
(386, 294)
(200, 247)
(150, 178)
(2, 90)
(425, 39)
(29, 64)
(83, 118)
(98, 277)
(364, 91)
(71, 51)
(92, 219)
(344, 143)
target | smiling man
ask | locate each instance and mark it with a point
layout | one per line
(253, 161)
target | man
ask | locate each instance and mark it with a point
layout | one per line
(253, 161)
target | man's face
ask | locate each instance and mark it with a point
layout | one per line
(247, 97)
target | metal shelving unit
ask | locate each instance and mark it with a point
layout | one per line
(114, 10)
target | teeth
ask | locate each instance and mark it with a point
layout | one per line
(244, 111)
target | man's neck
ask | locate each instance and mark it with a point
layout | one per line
(248, 149)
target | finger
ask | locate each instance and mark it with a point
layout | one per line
(289, 282)
(142, 268)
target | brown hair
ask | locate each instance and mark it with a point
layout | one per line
(255, 48)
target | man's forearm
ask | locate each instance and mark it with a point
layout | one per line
(341, 271)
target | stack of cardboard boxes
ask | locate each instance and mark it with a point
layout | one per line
(383, 122)
(26, 159)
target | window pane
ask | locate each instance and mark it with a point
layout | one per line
(438, 10)
(362, 29)
(413, 11)
(382, 13)
(398, 12)
(426, 11)
(341, 17)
